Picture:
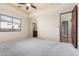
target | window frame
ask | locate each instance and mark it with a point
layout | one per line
(12, 29)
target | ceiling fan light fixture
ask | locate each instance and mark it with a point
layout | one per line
(28, 4)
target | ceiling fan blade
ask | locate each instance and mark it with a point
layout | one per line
(22, 3)
(27, 8)
(33, 6)
(19, 6)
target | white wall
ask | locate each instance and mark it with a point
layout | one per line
(48, 24)
(48, 21)
(8, 10)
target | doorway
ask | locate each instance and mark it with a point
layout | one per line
(65, 31)
(68, 27)
(34, 28)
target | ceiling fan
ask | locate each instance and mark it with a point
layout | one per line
(28, 5)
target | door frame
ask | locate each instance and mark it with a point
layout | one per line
(61, 22)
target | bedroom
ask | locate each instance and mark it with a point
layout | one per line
(19, 41)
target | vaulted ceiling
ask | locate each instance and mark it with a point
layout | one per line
(31, 10)
(40, 7)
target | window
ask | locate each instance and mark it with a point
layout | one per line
(8, 24)
(16, 24)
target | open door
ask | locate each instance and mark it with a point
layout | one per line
(74, 26)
